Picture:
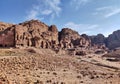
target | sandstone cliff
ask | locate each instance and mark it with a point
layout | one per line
(70, 38)
(34, 33)
(37, 34)
(4, 26)
(30, 33)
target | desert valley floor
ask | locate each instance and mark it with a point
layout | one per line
(44, 66)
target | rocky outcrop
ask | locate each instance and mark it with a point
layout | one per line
(113, 40)
(7, 38)
(30, 33)
(98, 41)
(69, 39)
(36, 33)
(6, 35)
(4, 26)
(87, 38)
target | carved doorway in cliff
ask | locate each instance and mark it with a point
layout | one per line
(1, 45)
(42, 44)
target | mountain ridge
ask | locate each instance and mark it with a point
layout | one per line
(38, 34)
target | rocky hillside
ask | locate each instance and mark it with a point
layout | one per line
(113, 41)
(3, 26)
(98, 41)
(43, 66)
(38, 34)
(69, 39)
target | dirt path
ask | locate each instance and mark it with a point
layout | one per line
(97, 59)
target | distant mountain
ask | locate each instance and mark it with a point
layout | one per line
(98, 39)
(113, 40)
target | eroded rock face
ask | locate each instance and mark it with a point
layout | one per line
(6, 35)
(30, 33)
(7, 38)
(22, 37)
(113, 40)
(35, 33)
(98, 41)
(70, 39)
(4, 26)
(87, 38)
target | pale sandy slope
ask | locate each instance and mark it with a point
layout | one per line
(24, 66)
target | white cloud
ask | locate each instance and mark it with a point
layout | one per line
(107, 11)
(91, 29)
(32, 14)
(113, 12)
(78, 3)
(45, 8)
(105, 8)
(111, 30)
(54, 6)
(46, 12)
(81, 28)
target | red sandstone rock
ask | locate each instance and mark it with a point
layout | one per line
(70, 38)
(7, 38)
(37, 34)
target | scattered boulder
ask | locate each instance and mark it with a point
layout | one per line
(112, 56)
(80, 53)
(31, 50)
(100, 51)
(71, 51)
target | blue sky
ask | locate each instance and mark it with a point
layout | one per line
(85, 16)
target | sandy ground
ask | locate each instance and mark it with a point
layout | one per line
(43, 66)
